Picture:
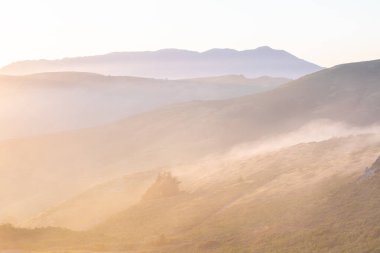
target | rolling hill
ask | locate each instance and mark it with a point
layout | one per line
(52, 102)
(182, 134)
(176, 64)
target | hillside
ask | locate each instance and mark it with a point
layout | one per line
(176, 64)
(41, 239)
(97, 202)
(304, 198)
(182, 134)
(53, 102)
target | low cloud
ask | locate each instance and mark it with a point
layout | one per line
(315, 131)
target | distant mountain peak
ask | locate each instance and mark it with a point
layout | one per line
(173, 50)
(264, 48)
(220, 50)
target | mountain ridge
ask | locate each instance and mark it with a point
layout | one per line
(176, 64)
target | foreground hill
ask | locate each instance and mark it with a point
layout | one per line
(348, 94)
(175, 63)
(310, 197)
(51, 102)
(306, 198)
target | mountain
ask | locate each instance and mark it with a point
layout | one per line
(175, 64)
(344, 100)
(52, 102)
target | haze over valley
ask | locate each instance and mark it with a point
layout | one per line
(53, 102)
(238, 148)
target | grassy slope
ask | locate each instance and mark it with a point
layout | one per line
(98, 203)
(289, 201)
(307, 198)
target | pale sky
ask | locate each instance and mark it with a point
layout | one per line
(326, 32)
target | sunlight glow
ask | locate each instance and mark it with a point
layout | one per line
(324, 32)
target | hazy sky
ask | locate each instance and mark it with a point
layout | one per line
(326, 32)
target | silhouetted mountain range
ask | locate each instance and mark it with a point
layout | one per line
(176, 63)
